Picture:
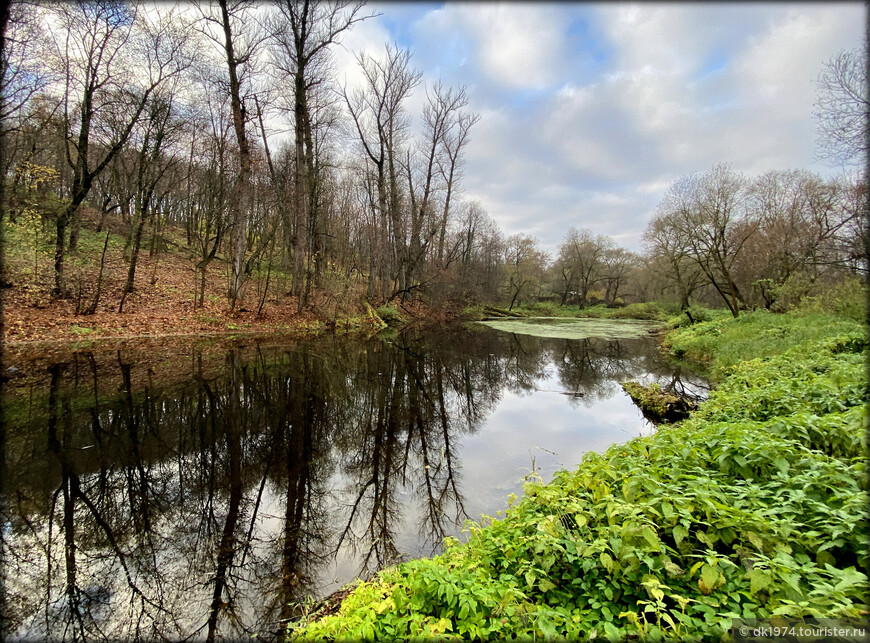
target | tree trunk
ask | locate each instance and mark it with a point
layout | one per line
(134, 257)
(301, 178)
(242, 187)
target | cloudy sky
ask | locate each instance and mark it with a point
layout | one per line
(589, 111)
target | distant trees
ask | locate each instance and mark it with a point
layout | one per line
(706, 214)
(235, 36)
(23, 74)
(302, 33)
(156, 154)
(146, 123)
(410, 181)
(755, 241)
(477, 254)
(381, 125)
(580, 264)
(669, 256)
(96, 48)
(524, 267)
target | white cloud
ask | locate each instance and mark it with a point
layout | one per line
(518, 46)
(774, 77)
(369, 37)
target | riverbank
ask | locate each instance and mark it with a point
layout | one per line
(173, 316)
(752, 507)
(172, 299)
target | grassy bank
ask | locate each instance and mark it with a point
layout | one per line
(754, 506)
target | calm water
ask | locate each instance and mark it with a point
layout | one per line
(202, 492)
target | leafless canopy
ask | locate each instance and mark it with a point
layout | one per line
(842, 108)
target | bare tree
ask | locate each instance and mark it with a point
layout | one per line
(454, 140)
(239, 44)
(92, 46)
(302, 34)
(23, 72)
(617, 264)
(580, 263)
(155, 157)
(842, 109)
(381, 125)
(707, 213)
(441, 114)
(524, 267)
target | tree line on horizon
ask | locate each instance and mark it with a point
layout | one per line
(141, 120)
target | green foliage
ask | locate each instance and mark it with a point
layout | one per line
(390, 315)
(656, 311)
(352, 323)
(753, 507)
(724, 341)
(208, 318)
(374, 319)
(597, 311)
(651, 310)
(695, 314)
(472, 313)
(75, 329)
(314, 327)
(544, 309)
(28, 247)
(846, 298)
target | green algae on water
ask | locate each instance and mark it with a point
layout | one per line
(562, 328)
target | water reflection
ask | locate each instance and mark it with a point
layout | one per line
(205, 494)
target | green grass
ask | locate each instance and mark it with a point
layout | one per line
(752, 507)
(725, 341)
(75, 329)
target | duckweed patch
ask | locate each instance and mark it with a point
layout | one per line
(570, 328)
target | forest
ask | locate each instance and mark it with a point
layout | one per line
(207, 159)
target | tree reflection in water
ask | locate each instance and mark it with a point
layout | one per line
(206, 496)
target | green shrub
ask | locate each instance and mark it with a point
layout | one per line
(846, 298)
(693, 315)
(472, 313)
(390, 314)
(596, 311)
(544, 309)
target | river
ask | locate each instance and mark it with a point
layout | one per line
(215, 489)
